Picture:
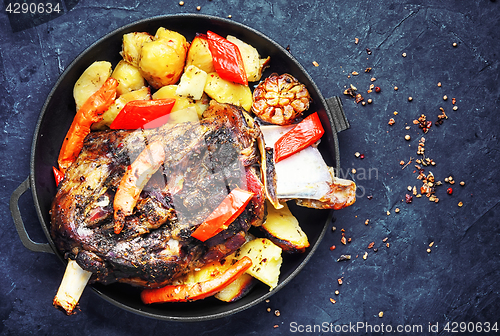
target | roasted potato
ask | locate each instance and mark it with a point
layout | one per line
(224, 91)
(252, 62)
(132, 46)
(116, 107)
(128, 76)
(266, 258)
(237, 289)
(192, 83)
(181, 103)
(90, 81)
(162, 60)
(283, 229)
(188, 114)
(199, 54)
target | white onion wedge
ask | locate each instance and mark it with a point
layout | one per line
(72, 285)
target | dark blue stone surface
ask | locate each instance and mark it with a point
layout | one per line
(457, 282)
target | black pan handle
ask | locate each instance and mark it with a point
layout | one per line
(336, 114)
(18, 220)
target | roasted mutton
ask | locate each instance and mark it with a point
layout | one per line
(127, 207)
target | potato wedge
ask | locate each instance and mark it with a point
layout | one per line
(208, 271)
(116, 107)
(237, 289)
(283, 229)
(192, 83)
(199, 54)
(224, 91)
(162, 60)
(252, 62)
(189, 114)
(181, 103)
(128, 76)
(266, 259)
(132, 46)
(90, 81)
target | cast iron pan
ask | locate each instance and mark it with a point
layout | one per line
(59, 110)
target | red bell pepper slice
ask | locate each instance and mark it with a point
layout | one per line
(199, 290)
(307, 132)
(230, 208)
(143, 114)
(227, 59)
(58, 175)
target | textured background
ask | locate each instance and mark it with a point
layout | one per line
(457, 282)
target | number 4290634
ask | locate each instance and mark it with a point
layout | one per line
(471, 327)
(33, 8)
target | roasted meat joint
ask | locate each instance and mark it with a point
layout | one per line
(169, 180)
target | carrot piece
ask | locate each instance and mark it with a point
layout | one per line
(199, 290)
(90, 112)
(133, 181)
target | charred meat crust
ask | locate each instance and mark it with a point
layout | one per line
(204, 161)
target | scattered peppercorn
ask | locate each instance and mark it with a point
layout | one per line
(362, 156)
(344, 257)
(332, 247)
(378, 89)
(408, 198)
(449, 191)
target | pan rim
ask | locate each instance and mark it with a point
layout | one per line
(36, 135)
